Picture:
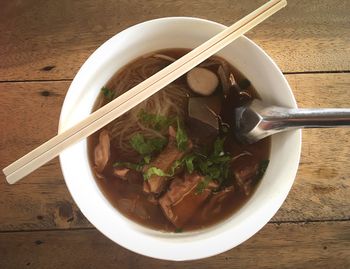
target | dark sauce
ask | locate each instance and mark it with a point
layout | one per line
(118, 192)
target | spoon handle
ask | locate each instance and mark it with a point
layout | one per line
(284, 118)
(258, 120)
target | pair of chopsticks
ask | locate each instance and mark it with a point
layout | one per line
(137, 94)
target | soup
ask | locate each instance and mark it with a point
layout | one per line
(172, 163)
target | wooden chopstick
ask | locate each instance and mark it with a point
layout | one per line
(137, 94)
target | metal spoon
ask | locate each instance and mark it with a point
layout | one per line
(259, 120)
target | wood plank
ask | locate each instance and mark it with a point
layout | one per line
(30, 115)
(313, 245)
(324, 171)
(39, 206)
(45, 40)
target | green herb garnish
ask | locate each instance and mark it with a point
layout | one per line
(216, 166)
(161, 123)
(154, 171)
(134, 166)
(177, 164)
(219, 147)
(147, 159)
(187, 160)
(201, 186)
(189, 163)
(155, 121)
(109, 94)
(181, 137)
(262, 168)
(146, 147)
(224, 129)
(178, 230)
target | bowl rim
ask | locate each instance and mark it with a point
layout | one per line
(164, 255)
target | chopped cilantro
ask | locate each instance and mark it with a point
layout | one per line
(177, 164)
(109, 94)
(154, 171)
(225, 128)
(216, 166)
(189, 163)
(178, 230)
(146, 146)
(147, 159)
(262, 168)
(219, 147)
(181, 137)
(187, 160)
(201, 186)
(134, 166)
(155, 121)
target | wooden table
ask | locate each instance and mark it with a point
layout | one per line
(42, 46)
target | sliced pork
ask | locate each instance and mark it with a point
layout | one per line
(245, 177)
(102, 151)
(164, 161)
(181, 201)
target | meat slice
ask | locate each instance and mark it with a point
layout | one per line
(102, 151)
(215, 203)
(129, 175)
(121, 172)
(164, 161)
(181, 201)
(134, 207)
(245, 177)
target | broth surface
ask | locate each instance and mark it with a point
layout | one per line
(129, 197)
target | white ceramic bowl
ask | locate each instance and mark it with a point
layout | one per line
(178, 32)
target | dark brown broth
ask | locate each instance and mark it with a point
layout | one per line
(116, 190)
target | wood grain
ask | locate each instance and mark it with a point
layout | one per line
(41, 201)
(324, 171)
(106, 114)
(313, 245)
(29, 113)
(40, 225)
(45, 40)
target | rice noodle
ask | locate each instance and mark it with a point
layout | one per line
(244, 153)
(244, 93)
(170, 101)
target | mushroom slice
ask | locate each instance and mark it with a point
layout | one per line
(202, 81)
(102, 151)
